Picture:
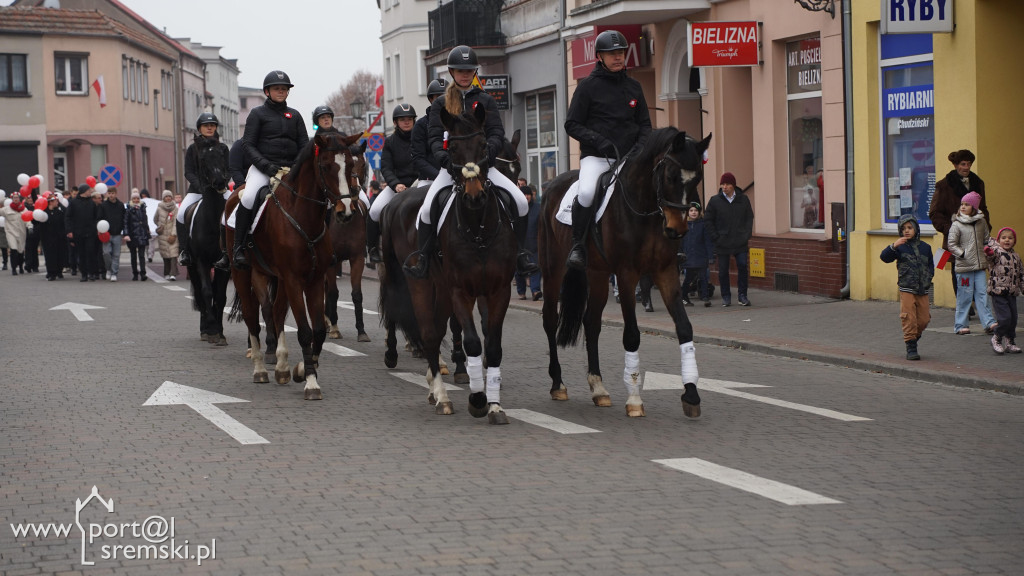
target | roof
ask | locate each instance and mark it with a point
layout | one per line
(87, 23)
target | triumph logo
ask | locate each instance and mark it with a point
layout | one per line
(729, 53)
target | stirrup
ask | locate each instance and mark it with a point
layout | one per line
(418, 270)
(577, 258)
(525, 265)
(224, 263)
(375, 256)
(240, 261)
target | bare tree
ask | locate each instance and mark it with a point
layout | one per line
(360, 87)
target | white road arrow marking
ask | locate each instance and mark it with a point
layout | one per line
(79, 310)
(339, 350)
(351, 306)
(420, 380)
(549, 422)
(202, 401)
(770, 489)
(658, 381)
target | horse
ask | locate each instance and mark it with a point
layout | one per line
(291, 243)
(209, 284)
(348, 240)
(479, 249)
(638, 234)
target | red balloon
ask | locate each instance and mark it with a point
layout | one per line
(41, 204)
(33, 182)
(47, 194)
(24, 191)
(26, 215)
(105, 237)
(91, 181)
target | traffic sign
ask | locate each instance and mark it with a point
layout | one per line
(110, 175)
(375, 142)
(373, 157)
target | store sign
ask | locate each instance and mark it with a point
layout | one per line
(723, 43)
(803, 65)
(584, 57)
(917, 16)
(498, 86)
(908, 101)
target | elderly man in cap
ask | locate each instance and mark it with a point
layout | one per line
(730, 222)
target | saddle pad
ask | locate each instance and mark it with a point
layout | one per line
(275, 181)
(255, 220)
(448, 205)
(564, 214)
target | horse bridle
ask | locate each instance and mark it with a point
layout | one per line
(662, 201)
(459, 167)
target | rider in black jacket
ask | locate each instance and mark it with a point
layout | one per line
(399, 173)
(274, 136)
(206, 125)
(423, 158)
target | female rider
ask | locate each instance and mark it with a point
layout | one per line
(422, 156)
(207, 125)
(398, 170)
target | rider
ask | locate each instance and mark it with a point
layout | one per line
(274, 136)
(323, 117)
(207, 125)
(608, 116)
(397, 168)
(460, 97)
(422, 157)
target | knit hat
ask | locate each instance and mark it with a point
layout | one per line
(135, 194)
(1012, 231)
(727, 178)
(958, 156)
(166, 194)
(972, 198)
(83, 189)
(697, 206)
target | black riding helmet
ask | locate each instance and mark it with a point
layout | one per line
(436, 87)
(207, 118)
(610, 40)
(321, 111)
(276, 78)
(462, 58)
(403, 111)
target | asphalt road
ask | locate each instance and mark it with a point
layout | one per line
(820, 470)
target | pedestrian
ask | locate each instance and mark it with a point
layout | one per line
(698, 248)
(967, 239)
(167, 237)
(136, 235)
(15, 230)
(946, 199)
(198, 184)
(532, 230)
(81, 218)
(426, 164)
(4, 247)
(730, 222)
(53, 236)
(915, 269)
(101, 262)
(398, 171)
(151, 206)
(112, 210)
(1005, 283)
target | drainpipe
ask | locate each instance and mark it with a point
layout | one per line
(844, 292)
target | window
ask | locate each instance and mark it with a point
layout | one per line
(145, 82)
(131, 80)
(71, 74)
(124, 76)
(387, 74)
(97, 158)
(541, 139)
(803, 83)
(13, 74)
(129, 168)
(397, 83)
(145, 167)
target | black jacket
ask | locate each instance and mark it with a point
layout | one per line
(238, 163)
(274, 135)
(493, 128)
(423, 159)
(82, 216)
(192, 176)
(113, 213)
(915, 266)
(608, 108)
(396, 164)
(730, 224)
(136, 224)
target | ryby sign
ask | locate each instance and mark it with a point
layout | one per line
(916, 16)
(723, 43)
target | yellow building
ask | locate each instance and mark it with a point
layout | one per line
(918, 97)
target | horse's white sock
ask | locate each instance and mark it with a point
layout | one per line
(689, 362)
(631, 374)
(493, 385)
(475, 368)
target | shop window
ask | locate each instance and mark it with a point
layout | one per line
(97, 158)
(803, 87)
(13, 74)
(541, 139)
(71, 73)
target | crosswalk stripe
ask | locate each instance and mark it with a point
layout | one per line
(740, 480)
(175, 288)
(420, 380)
(341, 350)
(549, 422)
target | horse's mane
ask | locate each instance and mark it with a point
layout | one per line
(656, 143)
(466, 120)
(307, 151)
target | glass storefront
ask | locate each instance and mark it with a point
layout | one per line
(806, 143)
(541, 139)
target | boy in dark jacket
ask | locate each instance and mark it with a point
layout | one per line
(915, 268)
(698, 248)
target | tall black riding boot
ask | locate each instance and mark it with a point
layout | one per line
(426, 237)
(243, 220)
(224, 263)
(582, 218)
(372, 239)
(184, 255)
(525, 266)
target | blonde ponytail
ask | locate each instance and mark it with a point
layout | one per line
(453, 99)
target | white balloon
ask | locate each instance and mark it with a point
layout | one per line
(7, 203)
(41, 180)
(101, 188)
(40, 215)
(23, 179)
(102, 226)
(63, 201)
(3, 194)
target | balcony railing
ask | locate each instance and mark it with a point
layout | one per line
(469, 22)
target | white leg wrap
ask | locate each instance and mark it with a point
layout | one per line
(689, 363)
(494, 385)
(631, 374)
(475, 368)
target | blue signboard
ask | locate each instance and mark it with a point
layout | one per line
(908, 101)
(373, 157)
(110, 175)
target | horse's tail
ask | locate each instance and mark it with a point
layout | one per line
(236, 310)
(395, 302)
(572, 305)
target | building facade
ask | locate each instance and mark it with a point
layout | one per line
(221, 81)
(405, 42)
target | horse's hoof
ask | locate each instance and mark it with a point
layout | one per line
(299, 373)
(444, 409)
(691, 410)
(417, 353)
(478, 405)
(269, 358)
(391, 359)
(202, 337)
(334, 335)
(444, 371)
(282, 376)
(462, 378)
(363, 337)
(560, 393)
(313, 394)
(691, 401)
(261, 378)
(219, 340)
(248, 352)
(497, 417)
(602, 401)
(635, 410)
(430, 399)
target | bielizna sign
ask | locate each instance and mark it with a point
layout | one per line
(723, 43)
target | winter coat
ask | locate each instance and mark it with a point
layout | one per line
(532, 230)
(946, 201)
(493, 127)
(1007, 276)
(967, 238)
(697, 244)
(274, 135)
(238, 163)
(3, 233)
(915, 266)
(15, 229)
(730, 224)
(113, 213)
(192, 175)
(396, 164)
(608, 108)
(423, 159)
(136, 225)
(82, 216)
(166, 230)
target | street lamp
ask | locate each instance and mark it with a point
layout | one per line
(357, 108)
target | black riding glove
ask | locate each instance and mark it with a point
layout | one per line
(271, 169)
(608, 149)
(444, 159)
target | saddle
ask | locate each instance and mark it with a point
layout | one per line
(444, 198)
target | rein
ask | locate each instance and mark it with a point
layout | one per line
(661, 167)
(477, 236)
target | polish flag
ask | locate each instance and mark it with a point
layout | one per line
(941, 258)
(100, 89)
(379, 91)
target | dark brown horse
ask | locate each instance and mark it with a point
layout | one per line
(638, 234)
(291, 243)
(348, 240)
(478, 248)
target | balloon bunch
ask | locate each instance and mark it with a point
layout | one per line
(103, 228)
(29, 212)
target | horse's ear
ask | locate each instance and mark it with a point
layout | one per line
(350, 140)
(515, 139)
(705, 143)
(480, 113)
(678, 143)
(446, 118)
(362, 147)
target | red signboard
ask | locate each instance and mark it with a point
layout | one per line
(723, 43)
(583, 56)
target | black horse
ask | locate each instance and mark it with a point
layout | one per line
(638, 234)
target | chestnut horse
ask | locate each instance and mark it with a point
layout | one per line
(348, 240)
(638, 234)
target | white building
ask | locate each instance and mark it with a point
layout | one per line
(221, 88)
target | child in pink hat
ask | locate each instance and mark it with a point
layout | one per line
(1005, 283)
(968, 236)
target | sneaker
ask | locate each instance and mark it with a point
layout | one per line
(707, 303)
(744, 301)
(726, 303)
(1011, 346)
(113, 277)
(171, 278)
(997, 345)
(522, 296)
(538, 295)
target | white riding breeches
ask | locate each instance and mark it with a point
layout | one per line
(497, 178)
(591, 168)
(190, 199)
(254, 181)
(380, 201)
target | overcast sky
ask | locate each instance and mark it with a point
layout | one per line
(319, 43)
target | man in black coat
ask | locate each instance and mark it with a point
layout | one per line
(112, 210)
(82, 216)
(730, 221)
